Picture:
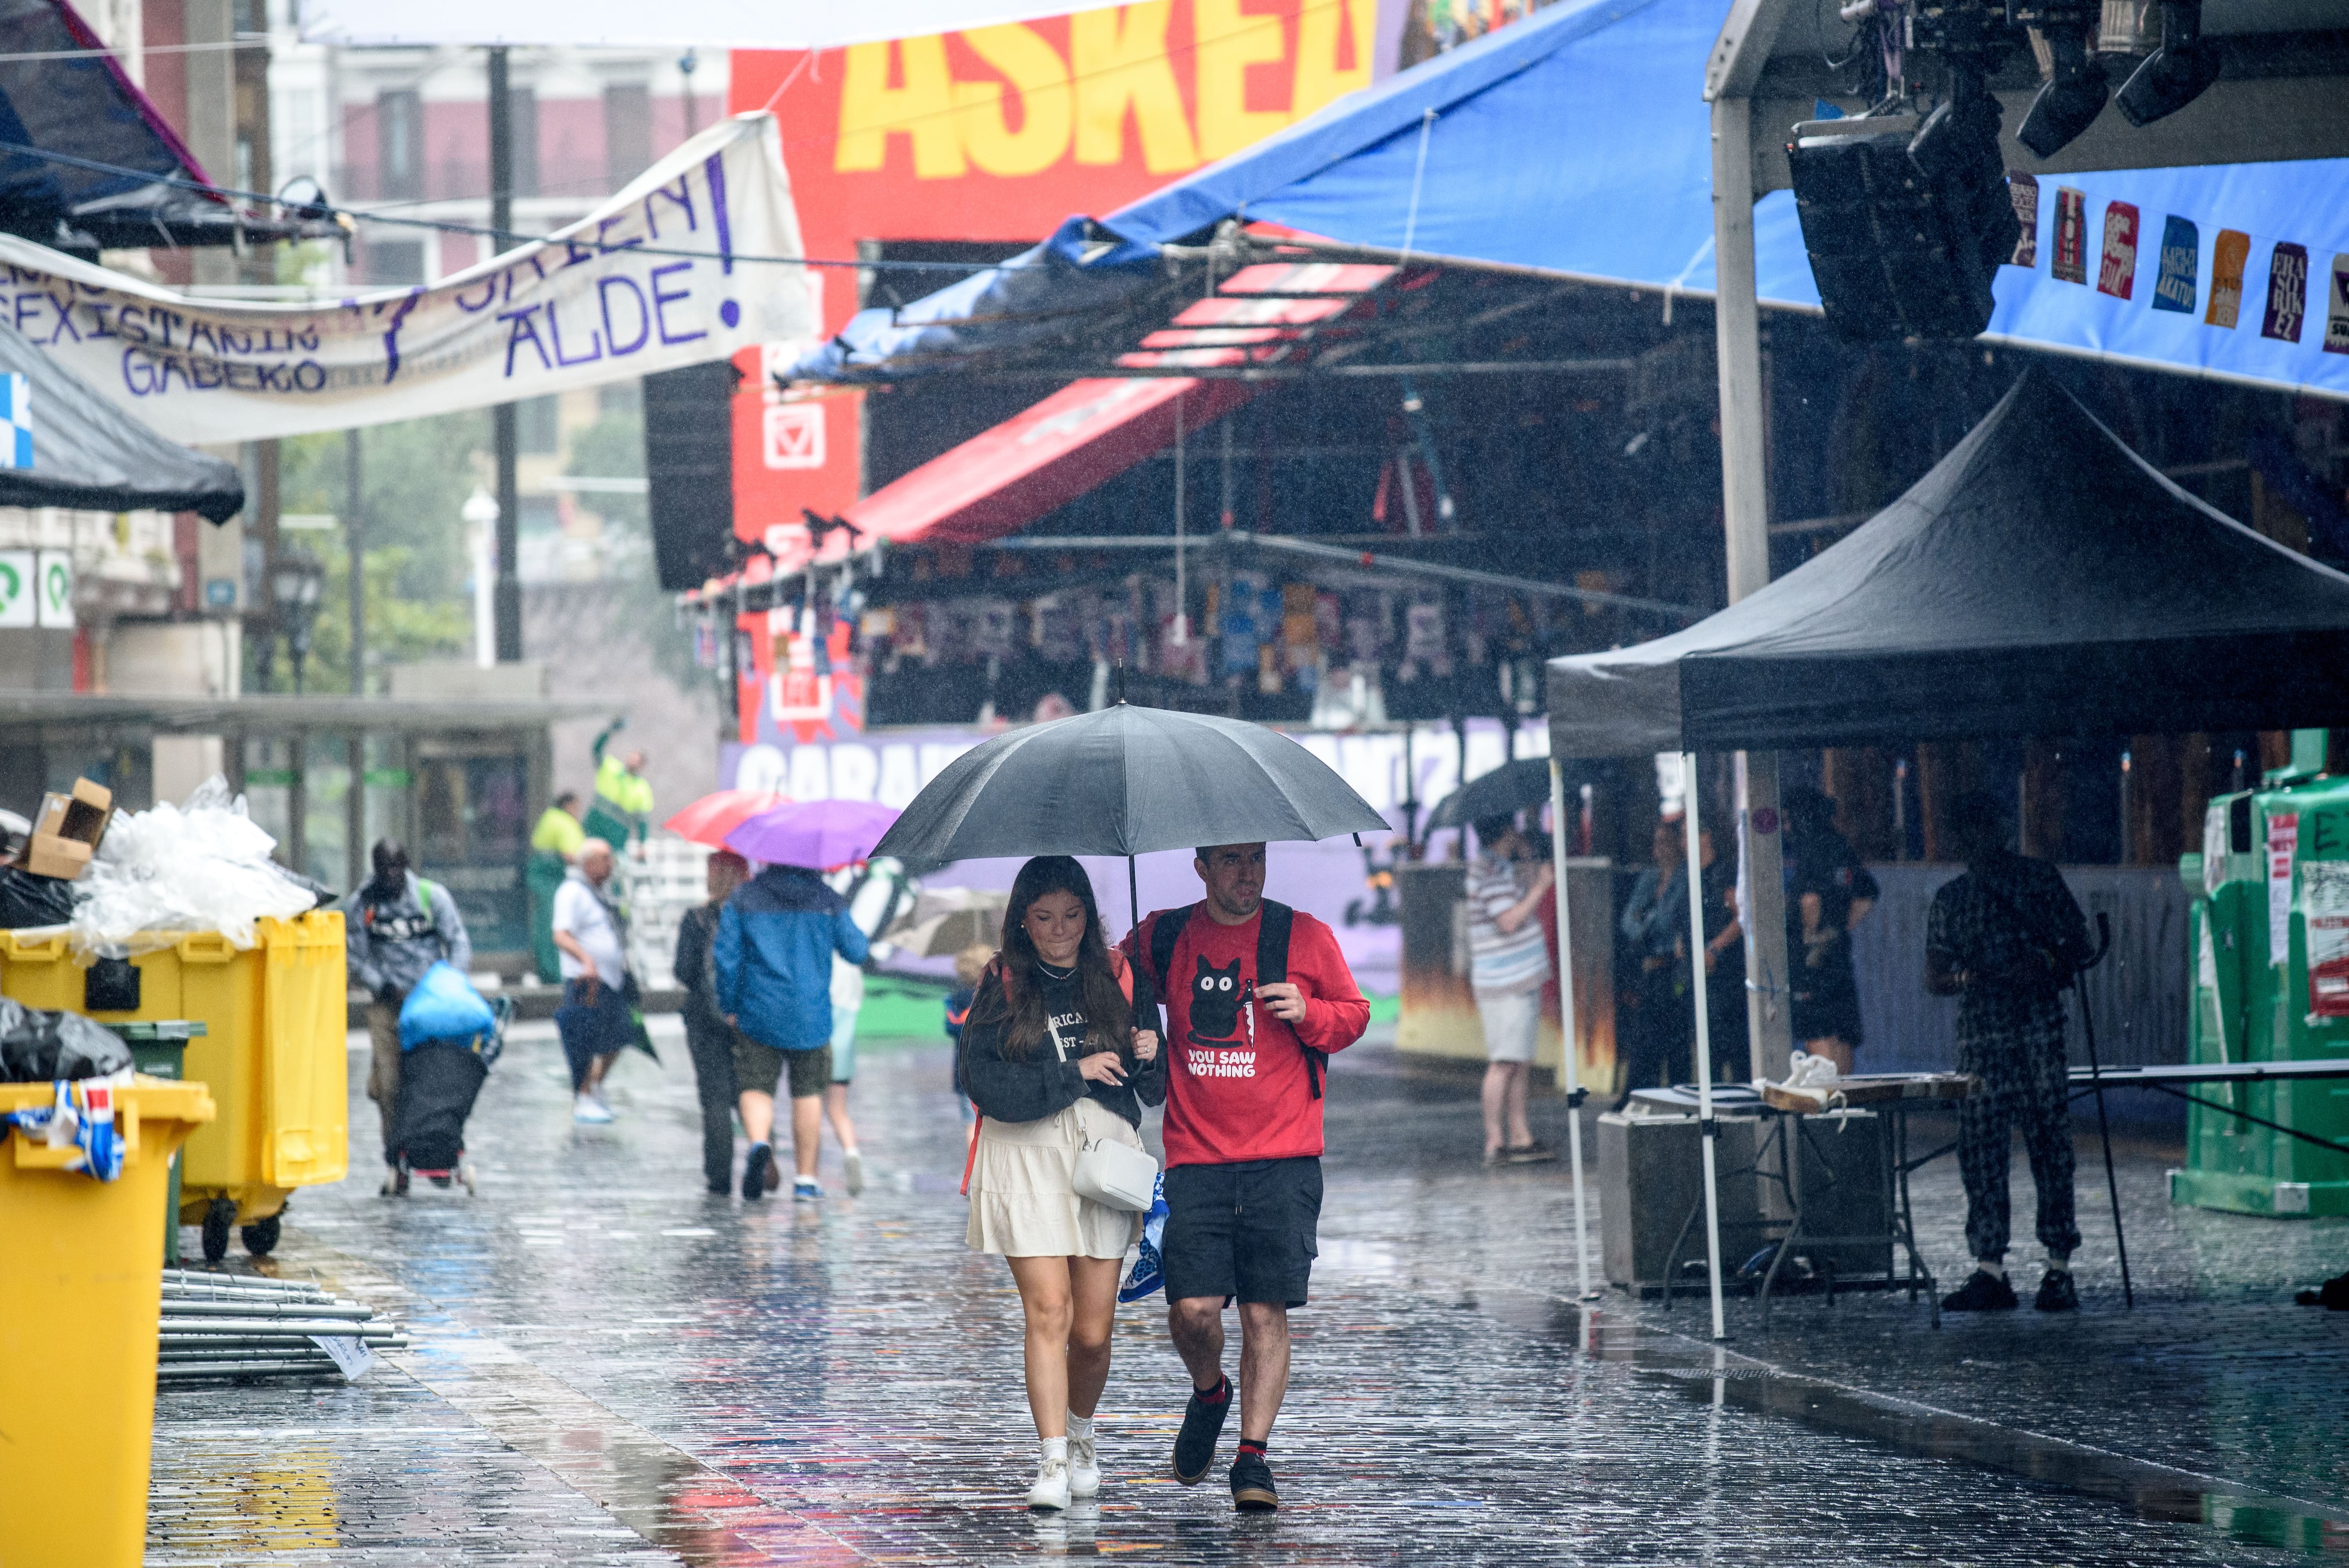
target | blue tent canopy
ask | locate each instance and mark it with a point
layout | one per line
(1577, 142)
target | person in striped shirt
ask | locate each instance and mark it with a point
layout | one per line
(1509, 963)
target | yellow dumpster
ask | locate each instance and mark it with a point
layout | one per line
(80, 1303)
(273, 1054)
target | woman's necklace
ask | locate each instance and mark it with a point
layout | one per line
(1050, 973)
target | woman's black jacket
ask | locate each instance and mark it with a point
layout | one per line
(1030, 1088)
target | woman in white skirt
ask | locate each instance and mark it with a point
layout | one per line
(1052, 1060)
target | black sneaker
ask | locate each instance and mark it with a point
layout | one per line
(2057, 1293)
(1252, 1490)
(2333, 1294)
(755, 1169)
(1983, 1293)
(1194, 1445)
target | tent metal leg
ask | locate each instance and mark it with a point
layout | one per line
(2105, 1131)
(1707, 1125)
(1570, 1047)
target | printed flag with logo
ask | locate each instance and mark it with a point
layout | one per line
(2336, 306)
(2181, 247)
(2070, 262)
(2287, 293)
(2116, 275)
(2228, 256)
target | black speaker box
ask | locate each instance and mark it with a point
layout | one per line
(1905, 233)
(689, 471)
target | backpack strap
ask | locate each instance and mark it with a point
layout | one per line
(1272, 935)
(1272, 944)
(1165, 930)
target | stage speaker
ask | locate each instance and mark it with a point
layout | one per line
(689, 471)
(1650, 1180)
(1846, 1183)
(1906, 228)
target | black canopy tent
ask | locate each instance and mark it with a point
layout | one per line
(87, 454)
(2040, 579)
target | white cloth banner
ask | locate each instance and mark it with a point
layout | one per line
(677, 269)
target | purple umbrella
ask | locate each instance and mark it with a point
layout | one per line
(819, 834)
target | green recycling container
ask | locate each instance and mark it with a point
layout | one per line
(2268, 938)
(160, 1048)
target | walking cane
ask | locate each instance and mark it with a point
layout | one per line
(2103, 1126)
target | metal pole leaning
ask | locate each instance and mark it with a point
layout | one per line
(1707, 1126)
(1571, 1047)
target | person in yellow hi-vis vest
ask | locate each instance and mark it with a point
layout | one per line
(553, 846)
(623, 808)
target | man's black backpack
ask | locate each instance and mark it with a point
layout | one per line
(1271, 962)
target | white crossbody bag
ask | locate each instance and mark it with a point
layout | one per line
(1109, 1172)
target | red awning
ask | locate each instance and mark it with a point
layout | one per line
(1004, 479)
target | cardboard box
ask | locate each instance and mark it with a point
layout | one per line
(67, 830)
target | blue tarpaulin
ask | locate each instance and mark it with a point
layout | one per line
(1068, 282)
(1576, 142)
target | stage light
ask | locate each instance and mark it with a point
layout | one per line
(2176, 73)
(2072, 98)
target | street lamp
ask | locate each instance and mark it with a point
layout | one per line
(480, 515)
(294, 588)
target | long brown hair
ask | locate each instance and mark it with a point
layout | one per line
(1016, 997)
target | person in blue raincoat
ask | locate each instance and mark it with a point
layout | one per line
(776, 938)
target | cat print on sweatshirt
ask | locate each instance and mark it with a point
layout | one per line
(1216, 999)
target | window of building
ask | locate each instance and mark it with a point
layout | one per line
(399, 144)
(537, 427)
(393, 263)
(627, 131)
(525, 119)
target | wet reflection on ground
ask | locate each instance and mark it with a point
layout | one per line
(612, 1367)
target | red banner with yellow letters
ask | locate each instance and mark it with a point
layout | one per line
(996, 135)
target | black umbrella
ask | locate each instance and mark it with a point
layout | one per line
(1125, 782)
(1503, 792)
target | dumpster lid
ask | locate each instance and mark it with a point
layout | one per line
(150, 1030)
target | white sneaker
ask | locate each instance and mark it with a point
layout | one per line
(1052, 1488)
(585, 1109)
(852, 1162)
(1084, 1467)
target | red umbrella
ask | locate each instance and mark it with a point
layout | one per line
(709, 820)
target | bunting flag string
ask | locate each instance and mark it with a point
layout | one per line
(2281, 307)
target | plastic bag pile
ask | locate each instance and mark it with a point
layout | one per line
(204, 866)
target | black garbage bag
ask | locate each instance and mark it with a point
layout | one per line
(437, 1083)
(27, 900)
(36, 1045)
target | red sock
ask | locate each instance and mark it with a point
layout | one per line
(1254, 1446)
(1214, 1396)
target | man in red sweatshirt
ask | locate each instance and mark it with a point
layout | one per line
(1257, 996)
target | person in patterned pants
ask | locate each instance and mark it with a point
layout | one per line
(2007, 939)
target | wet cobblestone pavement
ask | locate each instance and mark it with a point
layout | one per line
(612, 1367)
